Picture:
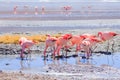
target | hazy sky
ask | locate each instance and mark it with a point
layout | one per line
(64, 0)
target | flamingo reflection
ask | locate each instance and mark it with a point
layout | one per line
(36, 10)
(25, 64)
(66, 10)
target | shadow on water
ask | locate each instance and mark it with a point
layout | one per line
(37, 62)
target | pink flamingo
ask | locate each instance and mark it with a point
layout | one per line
(106, 36)
(87, 44)
(15, 9)
(62, 42)
(43, 10)
(67, 8)
(77, 40)
(89, 9)
(36, 10)
(50, 42)
(25, 44)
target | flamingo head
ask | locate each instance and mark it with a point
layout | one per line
(113, 33)
(83, 37)
(99, 34)
(67, 36)
(20, 42)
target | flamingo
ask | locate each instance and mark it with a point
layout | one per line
(106, 36)
(62, 42)
(43, 10)
(36, 10)
(67, 8)
(25, 44)
(89, 9)
(77, 40)
(50, 42)
(88, 43)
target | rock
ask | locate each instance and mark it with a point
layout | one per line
(7, 64)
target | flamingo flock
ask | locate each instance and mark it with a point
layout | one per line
(83, 42)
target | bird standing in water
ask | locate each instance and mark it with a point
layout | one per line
(25, 44)
(106, 36)
(87, 44)
(62, 42)
(50, 42)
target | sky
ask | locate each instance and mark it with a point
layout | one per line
(62, 0)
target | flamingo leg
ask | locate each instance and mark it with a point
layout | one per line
(22, 53)
(55, 52)
(92, 50)
(45, 51)
(107, 47)
(113, 46)
(66, 48)
(88, 53)
(29, 52)
(52, 50)
(77, 48)
(58, 50)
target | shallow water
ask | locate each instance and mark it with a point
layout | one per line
(81, 10)
(36, 63)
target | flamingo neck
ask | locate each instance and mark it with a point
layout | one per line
(100, 35)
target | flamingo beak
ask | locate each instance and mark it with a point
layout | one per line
(83, 37)
(70, 37)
